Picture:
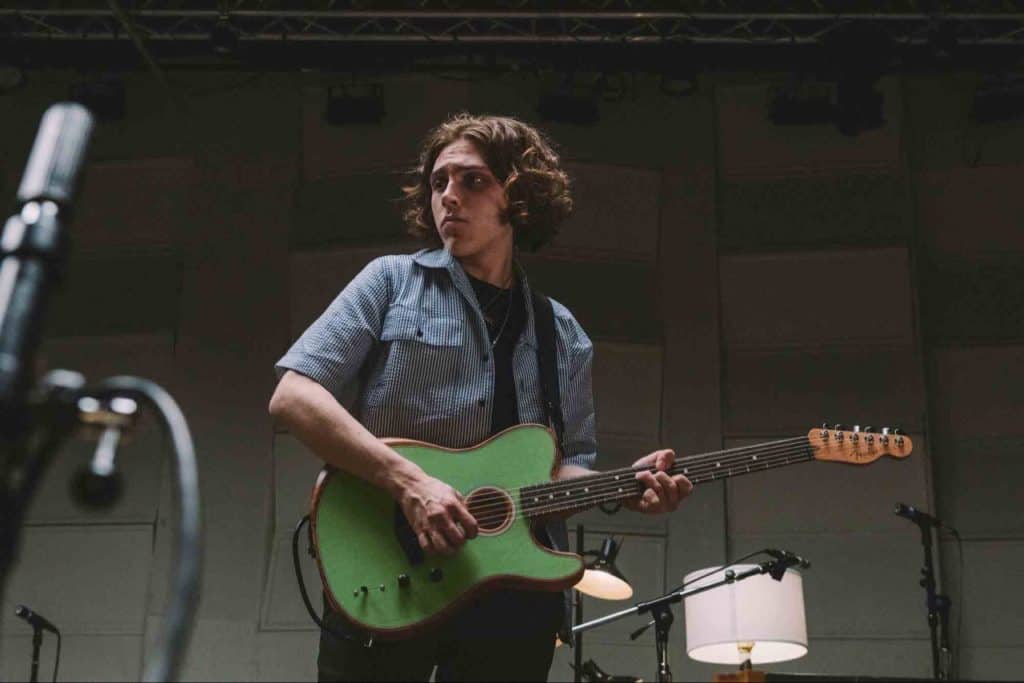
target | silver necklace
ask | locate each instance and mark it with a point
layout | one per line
(508, 310)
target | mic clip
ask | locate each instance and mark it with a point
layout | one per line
(99, 485)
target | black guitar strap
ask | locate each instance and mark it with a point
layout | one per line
(547, 360)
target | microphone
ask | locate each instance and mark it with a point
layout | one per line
(783, 561)
(32, 249)
(100, 484)
(36, 621)
(918, 517)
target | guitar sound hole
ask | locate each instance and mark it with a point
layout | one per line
(492, 509)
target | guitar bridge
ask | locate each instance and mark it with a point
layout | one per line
(407, 539)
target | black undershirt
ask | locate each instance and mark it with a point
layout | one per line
(503, 334)
(508, 611)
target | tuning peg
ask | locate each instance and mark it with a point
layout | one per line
(839, 427)
(885, 431)
(869, 428)
(856, 428)
(897, 431)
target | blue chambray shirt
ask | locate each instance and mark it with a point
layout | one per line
(407, 339)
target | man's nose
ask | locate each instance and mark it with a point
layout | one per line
(450, 196)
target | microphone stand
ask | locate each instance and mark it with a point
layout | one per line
(938, 608)
(37, 642)
(660, 608)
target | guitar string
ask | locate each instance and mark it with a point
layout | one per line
(677, 467)
(558, 506)
(606, 481)
(598, 487)
(620, 491)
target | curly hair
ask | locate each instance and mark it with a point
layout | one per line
(519, 156)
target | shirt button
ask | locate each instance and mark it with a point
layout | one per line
(481, 403)
(419, 333)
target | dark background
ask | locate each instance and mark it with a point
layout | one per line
(742, 279)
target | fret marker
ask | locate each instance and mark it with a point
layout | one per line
(620, 490)
(754, 457)
(718, 464)
(552, 496)
(586, 489)
(568, 493)
(536, 500)
(686, 470)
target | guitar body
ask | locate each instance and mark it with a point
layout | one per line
(363, 542)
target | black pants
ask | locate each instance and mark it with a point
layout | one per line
(505, 636)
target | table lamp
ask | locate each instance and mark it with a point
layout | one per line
(755, 621)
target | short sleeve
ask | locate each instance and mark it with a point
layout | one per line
(334, 348)
(576, 384)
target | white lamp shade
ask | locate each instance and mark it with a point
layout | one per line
(604, 585)
(758, 610)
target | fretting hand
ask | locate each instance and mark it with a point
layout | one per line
(438, 515)
(664, 491)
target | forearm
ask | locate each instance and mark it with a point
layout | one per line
(571, 472)
(310, 413)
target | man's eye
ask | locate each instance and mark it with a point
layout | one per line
(474, 180)
(437, 184)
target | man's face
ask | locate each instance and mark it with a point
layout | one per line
(468, 202)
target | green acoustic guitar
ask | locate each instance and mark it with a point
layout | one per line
(375, 574)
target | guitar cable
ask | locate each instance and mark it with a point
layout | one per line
(366, 640)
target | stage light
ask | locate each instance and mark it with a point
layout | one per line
(224, 36)
(355, 104)
(858, 104)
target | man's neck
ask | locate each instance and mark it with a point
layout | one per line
(493, 267)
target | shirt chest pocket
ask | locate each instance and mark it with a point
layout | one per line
(410, 325)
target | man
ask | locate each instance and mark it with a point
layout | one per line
(441, 346)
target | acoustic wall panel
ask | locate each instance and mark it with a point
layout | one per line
(90, 579)
(827, 498)
(286, 656)
(977, 481)
(971, 211)
(138, 202)
(848, 297)
(281, 607)
(82, 657)
(787, 392)
(613, 300)
(993, 606)
(979, 391)
(627, 389)
(861, 585)
(616, 212)
(820, 208)
(350, 209)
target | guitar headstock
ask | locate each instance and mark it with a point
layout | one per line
(857, 446)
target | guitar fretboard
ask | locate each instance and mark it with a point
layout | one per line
(580, 493)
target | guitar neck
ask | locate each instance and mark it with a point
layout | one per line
(582, 493)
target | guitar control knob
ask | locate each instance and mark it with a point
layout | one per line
(403, 580)
(436, 574)
(364, 590)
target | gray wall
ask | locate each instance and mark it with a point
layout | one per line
(741, 282)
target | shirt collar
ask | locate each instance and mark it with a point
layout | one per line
(443, 259)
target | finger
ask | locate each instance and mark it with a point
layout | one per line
(424, 539)
(684, 485)
(461, 513)
(665, 459)
(650, 501)
(438, 542)
(653, 483)
(671, 497)
(453, 535)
